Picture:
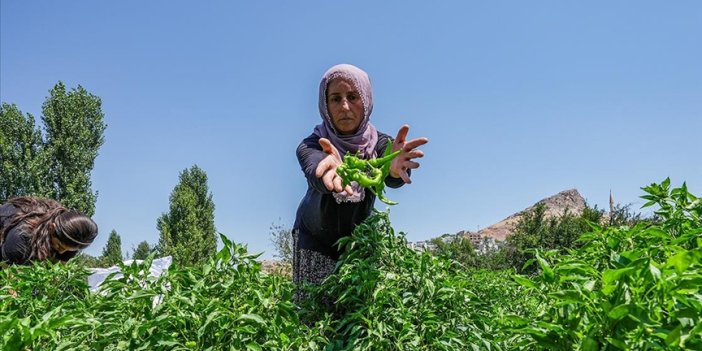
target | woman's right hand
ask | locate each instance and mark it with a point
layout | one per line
(326, 170)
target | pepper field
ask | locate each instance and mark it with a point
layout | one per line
(637, 288)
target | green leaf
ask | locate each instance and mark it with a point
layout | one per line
(589, 285)
(618, 343)
(545, 268)
(517, 321)
(655, 272)
(611, 275)
(252, 317)
(680, 261)
(568, 296)
(673, 338)
(524, 281)
(589, 344)
(618, 312)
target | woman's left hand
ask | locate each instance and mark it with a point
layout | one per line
(403, 162)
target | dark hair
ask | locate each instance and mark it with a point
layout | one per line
(75, 229)
(37, 216)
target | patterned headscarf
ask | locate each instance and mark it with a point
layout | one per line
(366, 137)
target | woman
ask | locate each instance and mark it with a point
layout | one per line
(35, 229)
(329, 210)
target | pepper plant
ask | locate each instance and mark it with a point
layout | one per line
(387, 296)
(626, 288)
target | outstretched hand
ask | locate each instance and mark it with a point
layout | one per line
(327, 168)
(403, 162)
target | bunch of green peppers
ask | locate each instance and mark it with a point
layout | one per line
(369, 174)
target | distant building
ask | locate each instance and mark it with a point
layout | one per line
(422, 245)
(487, 244)
(474, 237)
(482, 244)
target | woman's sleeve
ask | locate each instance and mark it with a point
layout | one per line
(390, 181)
(15, 249)
(309, 154)
(6, 211)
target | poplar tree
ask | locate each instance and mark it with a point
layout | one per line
(74, 125)
(57, 164)
(112, 253)
(142, 251)
(22, 171)
(187, 231)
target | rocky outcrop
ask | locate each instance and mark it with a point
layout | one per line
(555, 206)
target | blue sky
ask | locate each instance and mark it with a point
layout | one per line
(520, 100)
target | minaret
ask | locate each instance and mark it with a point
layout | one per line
(611, 208)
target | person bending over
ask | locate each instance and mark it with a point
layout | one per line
(37, 229)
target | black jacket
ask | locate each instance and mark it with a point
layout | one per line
(320, 220)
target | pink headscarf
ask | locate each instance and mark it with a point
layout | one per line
(366, 137)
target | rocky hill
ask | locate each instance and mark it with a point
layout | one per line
(555, 206)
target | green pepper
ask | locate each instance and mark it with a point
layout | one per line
(377, 162)
(384, 199)
(374, 180)
(369, 174)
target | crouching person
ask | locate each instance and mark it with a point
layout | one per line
(36, 229)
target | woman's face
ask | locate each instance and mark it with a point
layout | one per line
(345, 106)
(61, 247)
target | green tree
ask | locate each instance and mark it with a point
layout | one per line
(112, 253)
(58, 165)
(529, 233)
(457, 248)
(142, 251)
(535, 230)
(623, 215)
(494, 260)
(21, 166)
(74, 125)
(88, 261)
(282, 240)
(187, 231)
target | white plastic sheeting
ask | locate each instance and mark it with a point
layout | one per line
(158, 266)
